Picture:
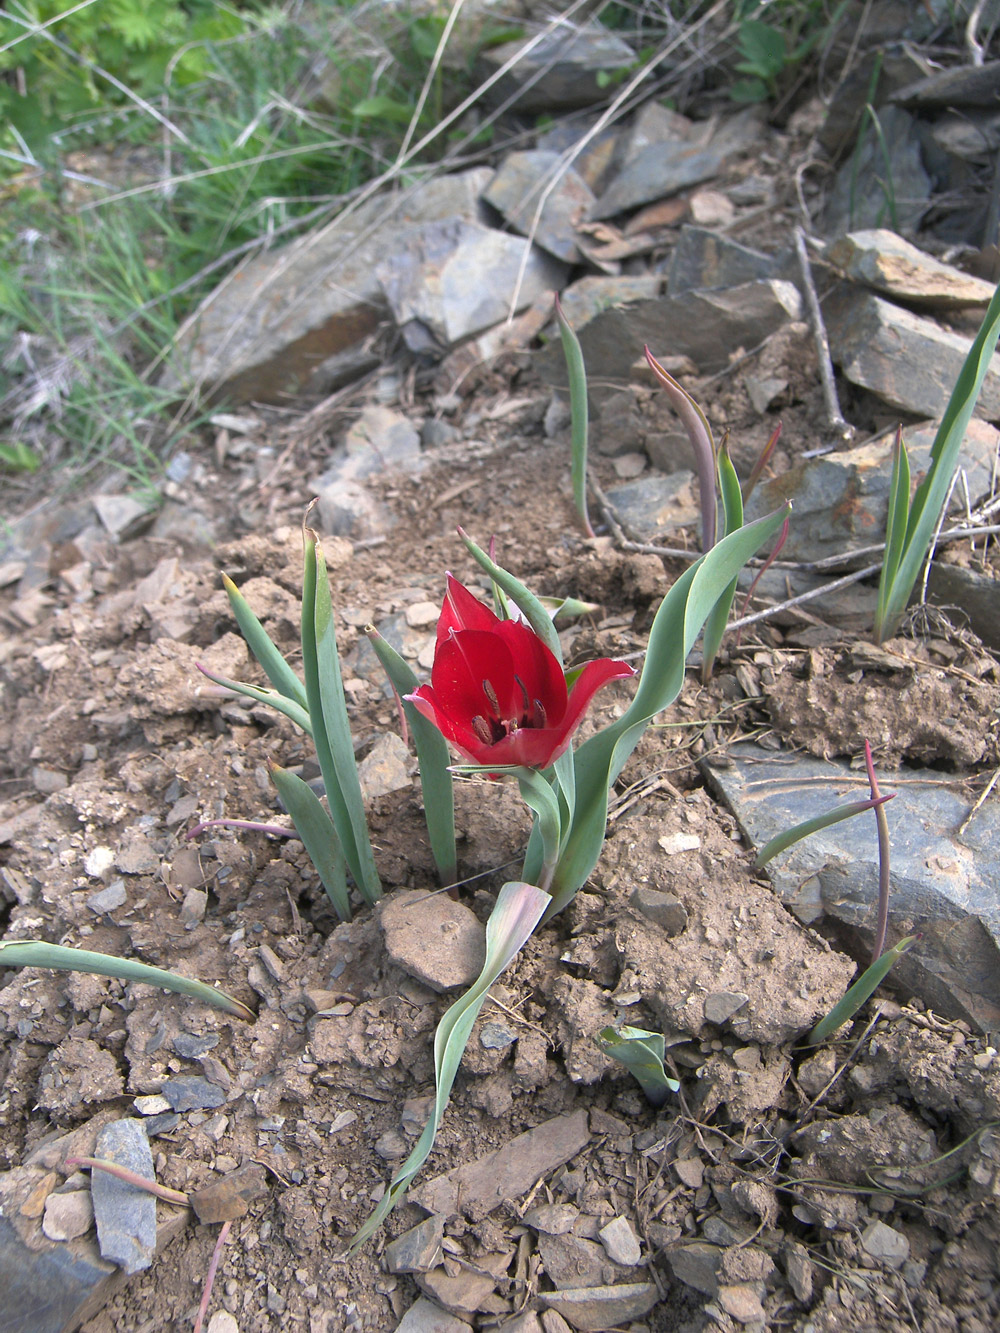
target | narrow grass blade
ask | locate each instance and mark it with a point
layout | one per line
(279, 702)
(432, 756)
(578, 410)
(319, 836)
(860, 991)
(699, 432)
(599, 761)
(895, 529)
(732, 514)
(331, 727)
(277, 670)
(527, 603)
(33, 953)
(763, 458)
(932, 492)
(641, 1052)
(782, 841)
(517, 912)
(884, 851)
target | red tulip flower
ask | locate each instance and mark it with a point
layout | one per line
(498, 693)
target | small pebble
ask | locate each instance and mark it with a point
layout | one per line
(619, 1240)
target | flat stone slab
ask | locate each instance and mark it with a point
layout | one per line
(704, 258)
(434, 283)
(594, 1309)
(659, 171)
(975, 593)
(562, 70)
(433, 938)
(840, 500)
(303, 312)
(941, 885)
(893, 266)
(124, 1213)
(476, 1188)
(706, 326)
(651, 508)
(905, 359)
(517, 188)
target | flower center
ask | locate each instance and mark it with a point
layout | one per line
(491, 727)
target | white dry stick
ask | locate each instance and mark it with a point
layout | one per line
(834, 417)
(446, 32)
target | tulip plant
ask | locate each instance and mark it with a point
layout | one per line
(501, 695)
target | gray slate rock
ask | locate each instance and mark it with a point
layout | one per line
(600, 1308)
(841, 499)
(659, 171)
(707, 326)
(189, 1092)
(621, 1242)
(125, 1215)
(49, 1290)
(666, 909)
(434, 281)
(519, 184)
(703, 258)
(974, 592)
(697, 1265)
(425, 1316)
(654, 507)
(943, 886)
(418, 1249)
(109, 899)
(299, 318)
(859, 198)
(966, 85)
(559, 72)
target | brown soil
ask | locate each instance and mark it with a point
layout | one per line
(783, 1158)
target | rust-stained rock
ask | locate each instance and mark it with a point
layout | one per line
(885, 261)
(231, 1195)
(476, 1188)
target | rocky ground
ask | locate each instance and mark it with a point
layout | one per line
(783, 1187)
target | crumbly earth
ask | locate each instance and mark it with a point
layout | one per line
(770, 1173)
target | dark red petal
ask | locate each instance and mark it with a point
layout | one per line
(458, 730)
(588, 682)
(532, 747)
(461, 610)
(462, 662)
(538, 668)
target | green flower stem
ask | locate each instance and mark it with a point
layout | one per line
(860, 991)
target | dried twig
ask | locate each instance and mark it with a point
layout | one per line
(834, 417)
(206, 1295)
(979, 803)
(791, 602)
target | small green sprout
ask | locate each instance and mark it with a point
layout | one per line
(641, 1052)
(910, 526)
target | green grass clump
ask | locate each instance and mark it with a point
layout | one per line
(144, 149)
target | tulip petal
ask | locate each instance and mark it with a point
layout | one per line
(593, 675)
(461, 610)
(537, 668)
